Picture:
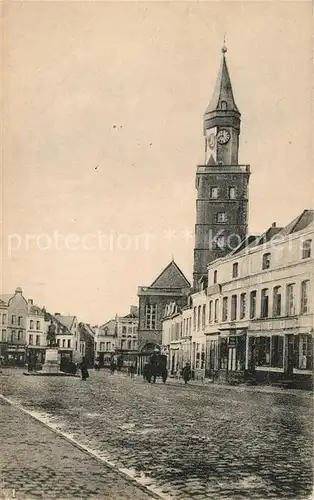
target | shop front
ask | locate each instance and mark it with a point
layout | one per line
(15, 355)
(281, 357)
(232, 353)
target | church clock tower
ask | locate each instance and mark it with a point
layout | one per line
(221, 183)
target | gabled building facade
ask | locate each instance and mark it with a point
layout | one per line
(170, 286)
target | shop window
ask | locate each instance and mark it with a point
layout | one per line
(263, 351)
(216, 311)
(235, 270)
(266, 261)
(264, 303)
(277, 351)
(242, 305)
(253, 304)
(225, 309)
(277, 301)
(304, 296)
(291, 299)
(306, 249)
(305, 352)
(234, 300)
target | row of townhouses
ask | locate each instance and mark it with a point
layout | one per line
(252, 319)
(24, 327)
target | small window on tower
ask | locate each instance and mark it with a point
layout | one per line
(214, 192)
(224, 106)
(231, 193)
(221, 217)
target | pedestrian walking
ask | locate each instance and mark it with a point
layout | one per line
(186, 373)
(132, 371)
(84, 370)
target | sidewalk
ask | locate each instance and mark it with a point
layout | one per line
(37, 463)
(208, 384)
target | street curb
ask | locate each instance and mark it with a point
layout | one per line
(150, 490)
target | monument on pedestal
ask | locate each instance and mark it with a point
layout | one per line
(51, 364)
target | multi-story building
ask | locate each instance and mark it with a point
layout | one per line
(105, 342)
(3, 330)
(253, 320)
(15, 307)
(221, 183)
(264, 292)
(36, 333)
(118, 336)
(183, 335)
(68, 339)
(170, 286)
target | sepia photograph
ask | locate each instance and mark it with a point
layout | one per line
(157, 270)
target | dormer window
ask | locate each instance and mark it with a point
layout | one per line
(266, 261)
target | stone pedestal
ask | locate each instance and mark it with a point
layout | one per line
(51, 362)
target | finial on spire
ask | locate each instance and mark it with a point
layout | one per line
(224, 47)
(172, 259)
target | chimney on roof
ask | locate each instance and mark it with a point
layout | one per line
(30, 302)
(274, 224)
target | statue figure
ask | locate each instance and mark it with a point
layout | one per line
(51, 335)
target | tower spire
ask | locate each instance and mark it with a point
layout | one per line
(223, 89)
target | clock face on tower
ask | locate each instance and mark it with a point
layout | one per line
(223, 136)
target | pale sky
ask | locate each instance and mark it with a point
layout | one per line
(102, 117)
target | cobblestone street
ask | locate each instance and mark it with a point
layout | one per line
(191, 442)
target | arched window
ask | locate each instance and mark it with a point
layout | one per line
(224, 106)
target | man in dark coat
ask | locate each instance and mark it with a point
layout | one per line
(84, 370)
(186, 373)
